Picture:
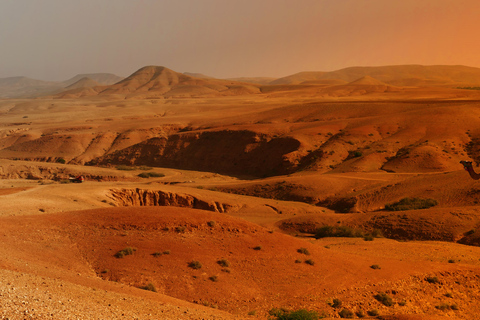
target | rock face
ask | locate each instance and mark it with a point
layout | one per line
(232, 152)
(145, 197)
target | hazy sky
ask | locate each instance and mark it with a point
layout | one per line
(57, 39)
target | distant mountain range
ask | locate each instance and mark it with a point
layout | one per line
(156, 81)
(23, 87)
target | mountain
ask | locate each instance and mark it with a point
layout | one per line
(23, 87)
(161, 82)
(83, 83)
(402, 75)
(100, 78)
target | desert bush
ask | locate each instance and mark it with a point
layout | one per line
(302, 314)
(432, 280)
(345, 313)
(156, 254)
(61, 160)
(385, 299)
(125, 252)
(180, 229)
(375, 266)
(224, 263)
(411, 204)
(213, 278)
(310, 262)
(360, 314)
(195, 264)
(149, 287)
(373, 313)
(211, 224)
(144, 168)
(166, 252)
(303, 251)
(257, 248)
(336, 303)
(446, 306)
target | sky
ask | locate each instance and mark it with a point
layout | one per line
(57, 39)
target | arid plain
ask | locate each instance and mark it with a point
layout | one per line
(220, 187)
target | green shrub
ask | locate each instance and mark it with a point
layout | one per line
(125, 252)
(301, 314)
(61, 160)
(195, 264)
(149, 287)
(411, 204)
(385, 299)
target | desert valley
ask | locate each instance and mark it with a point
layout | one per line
(246, 198)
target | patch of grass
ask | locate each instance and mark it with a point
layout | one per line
(195, 265)
(303, 251)
(224, 263)
(302, 314)
(385, 299)
(411, 204)
(125, 252)
(149, 287)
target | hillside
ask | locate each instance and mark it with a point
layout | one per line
(402, 75)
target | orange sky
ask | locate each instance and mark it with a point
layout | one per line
(56, 39)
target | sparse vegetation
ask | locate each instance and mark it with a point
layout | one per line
(257, 248)
(156, 254)
(125, 252)
(213, 278)
(125, 168)
(375, 266)
(195, 265)
(61, 160)
(302, 314)
(411, 204)
(384, 298)
(446, 306)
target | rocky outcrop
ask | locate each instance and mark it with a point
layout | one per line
(144, 197)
